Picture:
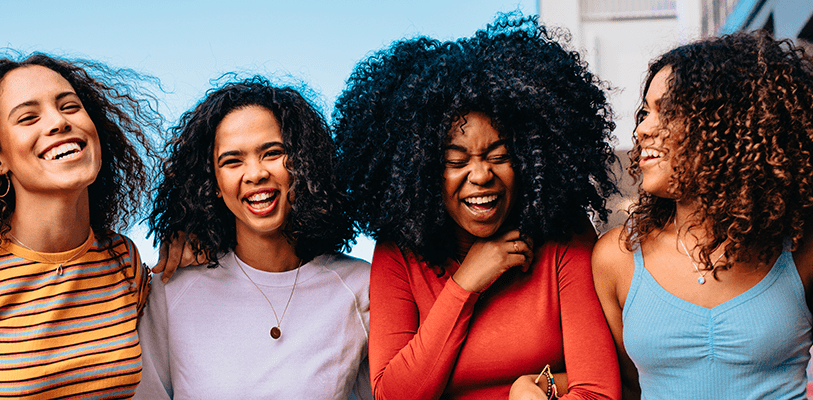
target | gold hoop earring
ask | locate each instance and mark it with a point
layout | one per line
(8, 185)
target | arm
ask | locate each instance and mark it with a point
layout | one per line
(156, 383)
(613, 268)
(590, 359)
(407, 361)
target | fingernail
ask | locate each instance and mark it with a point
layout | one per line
(165, 279)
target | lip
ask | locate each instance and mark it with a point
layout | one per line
(82, 145)
(272, 199)
(651, 155)
(485, 205)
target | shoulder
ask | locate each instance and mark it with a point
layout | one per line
(347, 267)
(610, 248)
(611, 259)
(191, 282)
(109, 240)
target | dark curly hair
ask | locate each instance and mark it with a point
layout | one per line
(740, 112)
(186, 199)
(392, 121)
(123, 112)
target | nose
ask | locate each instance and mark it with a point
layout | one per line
(480, 173)
(647, 127)
(59, 124)
(255, 172)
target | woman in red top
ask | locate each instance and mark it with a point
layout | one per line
(473, 163)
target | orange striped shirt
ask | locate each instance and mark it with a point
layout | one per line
(71, 335)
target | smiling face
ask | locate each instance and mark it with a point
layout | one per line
(249, 159)
(656, 157)
(478, 180)
(48, 142)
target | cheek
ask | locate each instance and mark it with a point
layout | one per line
(221, 180)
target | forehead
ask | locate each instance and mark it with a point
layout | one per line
(247, 126)
(31, 82)
(474, 131)
(659, 84)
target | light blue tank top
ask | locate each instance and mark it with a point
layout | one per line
(754, 346)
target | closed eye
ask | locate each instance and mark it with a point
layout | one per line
(499, 158)
(27, 118)
(274, 154)
(229, 162)
(455, 163)
(71, 107)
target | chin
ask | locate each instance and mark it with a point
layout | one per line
(483, 232)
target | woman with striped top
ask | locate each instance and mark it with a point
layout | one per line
(71, 289)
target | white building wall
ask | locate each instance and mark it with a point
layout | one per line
(619, 50)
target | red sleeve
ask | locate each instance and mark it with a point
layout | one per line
(410, 358)
(590, 358)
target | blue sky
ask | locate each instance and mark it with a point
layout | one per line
(187, 43)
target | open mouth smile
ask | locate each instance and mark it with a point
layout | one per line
(263, 202)
(63, 151)
(650, 154)
(481, 204)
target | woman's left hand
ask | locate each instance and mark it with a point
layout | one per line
(524, 388)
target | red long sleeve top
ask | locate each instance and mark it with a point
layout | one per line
(430, 338)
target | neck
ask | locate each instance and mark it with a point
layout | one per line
(691, 236)
(683, 219)
(51, 224)
(267, 253)
(683, 210)
(464, 242)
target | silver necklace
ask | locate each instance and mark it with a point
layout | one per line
(58, 264)
(702, 279)
(275, 330)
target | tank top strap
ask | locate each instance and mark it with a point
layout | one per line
(637, 278)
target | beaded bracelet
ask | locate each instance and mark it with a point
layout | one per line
(552, 392)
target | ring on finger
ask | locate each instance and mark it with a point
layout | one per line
(516, 248)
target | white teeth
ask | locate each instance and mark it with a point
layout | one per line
(481, 200)
(260, 196)
(651, 153)
(61, 151)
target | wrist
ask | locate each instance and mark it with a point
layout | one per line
(546, 376)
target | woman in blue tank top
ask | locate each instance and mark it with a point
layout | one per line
(707, 287)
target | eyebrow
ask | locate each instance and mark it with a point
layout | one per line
(488, 149)
(35, 102)
(264, 146)
(657, 102)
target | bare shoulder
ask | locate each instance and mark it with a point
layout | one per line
(610, 255)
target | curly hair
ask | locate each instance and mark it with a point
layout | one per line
(123, 112)
(186, 197)
(740, 114)
(392, 121)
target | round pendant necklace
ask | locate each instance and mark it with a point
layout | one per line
(58, 264)
(275, 330)
(702, 278)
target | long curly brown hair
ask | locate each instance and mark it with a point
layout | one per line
(125, 115)
(740, 114)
